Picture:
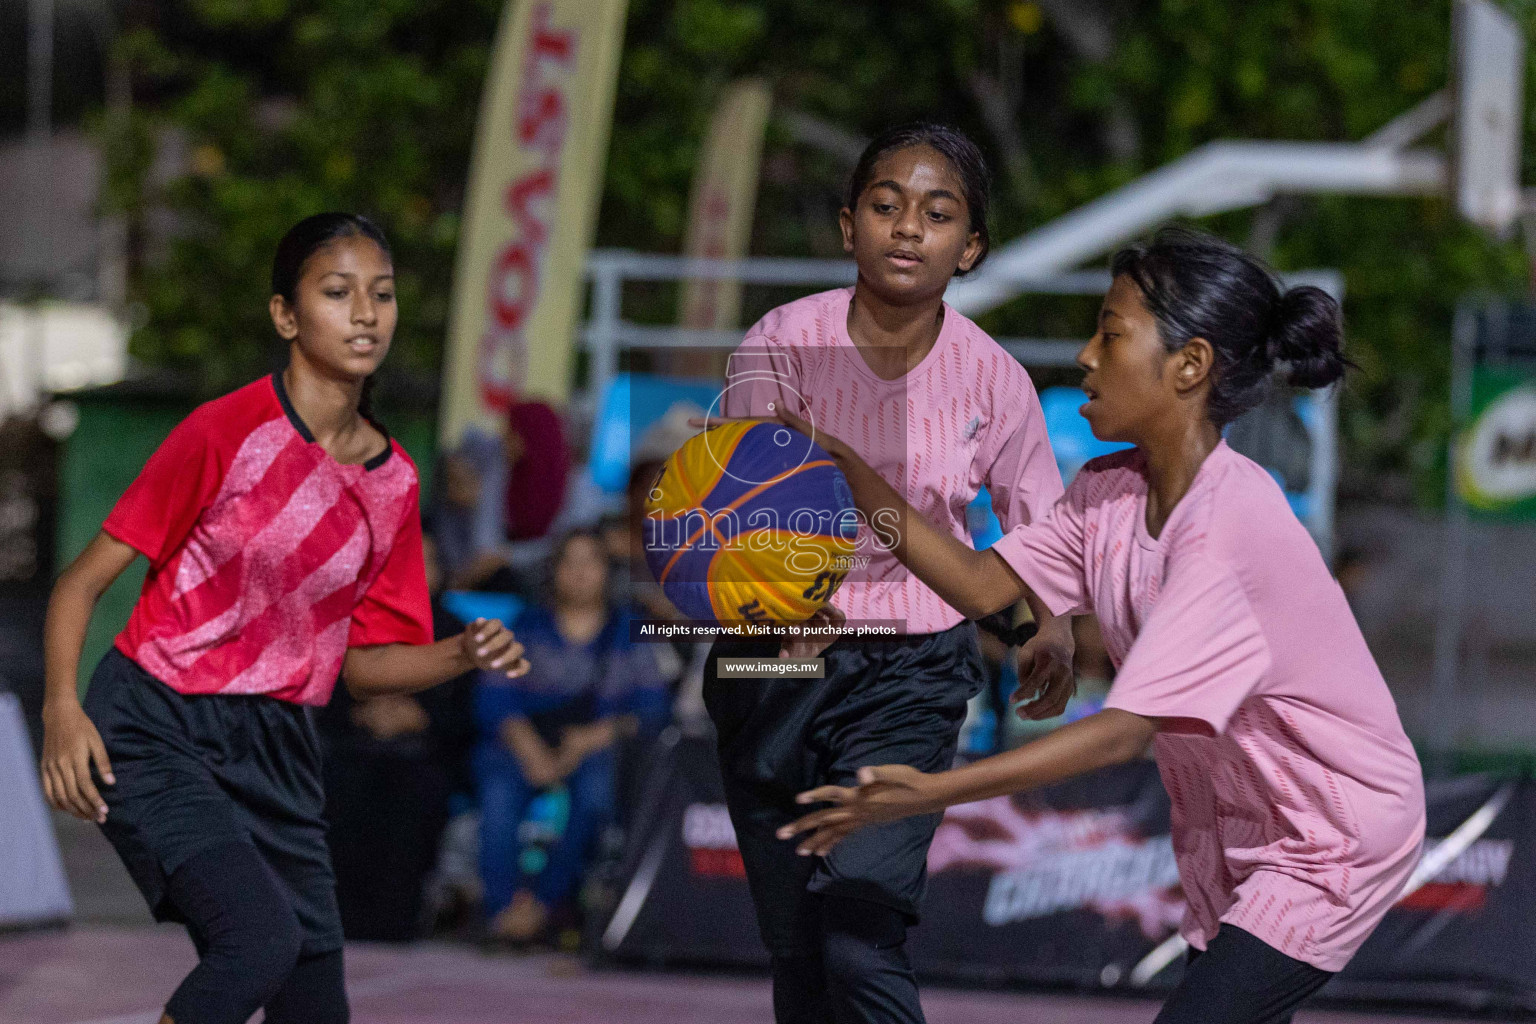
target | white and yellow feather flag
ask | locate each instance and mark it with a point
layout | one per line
(535, 184)
(723, 201)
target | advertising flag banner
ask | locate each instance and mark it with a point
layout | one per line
(535, 182)
(723, 199)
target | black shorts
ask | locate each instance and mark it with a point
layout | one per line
(883, 702)
(194, 772)
(1240, 979)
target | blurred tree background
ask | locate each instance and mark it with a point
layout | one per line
(285, 107)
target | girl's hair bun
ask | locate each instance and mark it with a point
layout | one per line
(1308, 337)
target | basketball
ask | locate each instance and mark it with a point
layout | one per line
(750, 521)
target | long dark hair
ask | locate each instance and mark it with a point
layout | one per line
(956, 147)
(302, 241)
(1198, 286)
(557, 554)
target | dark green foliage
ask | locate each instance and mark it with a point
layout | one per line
(291, 106)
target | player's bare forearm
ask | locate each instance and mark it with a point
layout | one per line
(891, 791)
(408, 668)
(403, 668)
(1057, 628)
(974, 583)
(1107, 738)
(72, 746)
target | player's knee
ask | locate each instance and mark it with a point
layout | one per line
(266, 954)
(859, 937)
(251, 938)
(254, 955)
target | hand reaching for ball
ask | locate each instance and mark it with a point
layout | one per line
(826, 618)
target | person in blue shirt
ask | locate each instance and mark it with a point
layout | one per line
(590, 686)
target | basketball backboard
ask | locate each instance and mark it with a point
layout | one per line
(1489, 88)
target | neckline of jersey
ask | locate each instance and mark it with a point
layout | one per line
(1143, 535)
(309, 438)
(948, 331)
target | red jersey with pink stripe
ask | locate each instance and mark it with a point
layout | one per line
(964, 418)
(267, 557)
(1298, 803)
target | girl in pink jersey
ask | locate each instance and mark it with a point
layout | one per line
(283, 535)
(1298, 807)
(940, 411)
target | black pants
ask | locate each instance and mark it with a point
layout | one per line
(1239, 979)
(250, 947)
(835, 926)
(387, 805)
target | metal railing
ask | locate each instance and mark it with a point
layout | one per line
(606, 334)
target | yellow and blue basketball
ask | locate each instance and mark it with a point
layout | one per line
(750, 521)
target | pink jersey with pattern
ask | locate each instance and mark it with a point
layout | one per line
(1298, 802)
(268, 558)
(964, 418)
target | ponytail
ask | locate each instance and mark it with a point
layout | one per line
(1197, 286)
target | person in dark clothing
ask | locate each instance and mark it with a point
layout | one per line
(391, 765)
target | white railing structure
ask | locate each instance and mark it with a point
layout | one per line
(1215, 178)
(607, 333)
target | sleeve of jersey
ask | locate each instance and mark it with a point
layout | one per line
(1200, 654)
(1024, 480)
(176, 485)
(1047, 555)
(397, 608)
(759, 379)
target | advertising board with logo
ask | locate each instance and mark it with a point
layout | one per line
(1496, 468)
(1076, 884)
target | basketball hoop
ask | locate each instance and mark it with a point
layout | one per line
(1488, 58)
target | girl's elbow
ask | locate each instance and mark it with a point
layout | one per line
(357, 687)
(1132, 734)
(74, 585)
(978, 605)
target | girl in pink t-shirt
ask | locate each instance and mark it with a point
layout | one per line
(940, 411)
(1298, 806)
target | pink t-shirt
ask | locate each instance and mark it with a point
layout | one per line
(965, 417)
(1298, 803)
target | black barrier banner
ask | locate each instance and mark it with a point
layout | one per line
(1076, 884)
(1467, 936)
(1067, 886)
(683, 892)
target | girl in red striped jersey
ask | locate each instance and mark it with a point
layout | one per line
(283, 535)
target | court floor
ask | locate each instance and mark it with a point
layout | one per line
(102, 975)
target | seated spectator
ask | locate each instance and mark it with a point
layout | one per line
(590, 686)
(391, 765)
(500, 496)
(456, 502)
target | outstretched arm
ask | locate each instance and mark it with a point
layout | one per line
(407, 668)
(895, 791)
(975, 583)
